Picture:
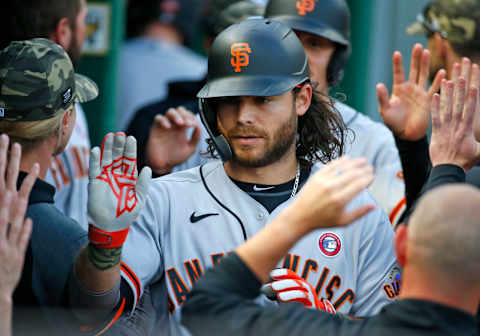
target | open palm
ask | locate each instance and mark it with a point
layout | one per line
(407, 112)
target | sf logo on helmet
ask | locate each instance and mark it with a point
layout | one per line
(240, 57)
(305, 6)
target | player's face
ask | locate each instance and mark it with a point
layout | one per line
(319, 51)
(78, 34)
(260, 130)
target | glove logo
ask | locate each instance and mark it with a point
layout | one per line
(305, 6)
(240, 57)
(121, 179)
(329, 244)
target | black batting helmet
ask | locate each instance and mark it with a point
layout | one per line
(326, 18)
(257, 57)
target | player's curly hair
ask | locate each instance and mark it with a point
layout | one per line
(321, 132)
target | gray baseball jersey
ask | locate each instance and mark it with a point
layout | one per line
(69, 172)
(193, 218)
(371, 140)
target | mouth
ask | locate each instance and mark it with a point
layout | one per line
(246, 139)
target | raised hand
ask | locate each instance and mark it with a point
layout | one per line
(323, 200)
(287, 286)
(115, 196)
(453, 112)
(168, 143)
(407, 112)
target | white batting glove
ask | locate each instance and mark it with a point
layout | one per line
(287, 286)
(115, 196)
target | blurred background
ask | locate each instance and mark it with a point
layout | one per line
(378, 29)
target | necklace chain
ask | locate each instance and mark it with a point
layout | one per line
(297, 180)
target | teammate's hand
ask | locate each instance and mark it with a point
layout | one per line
(168, 143)
(14, 228)
(323, 200)
(407, 112)
(287, 286)
(453, 111)
(115, 197)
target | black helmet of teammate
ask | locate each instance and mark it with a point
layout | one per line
(326, 18)
(257, 57)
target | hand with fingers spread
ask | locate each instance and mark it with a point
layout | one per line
(168, 143)
(15, 230)
(287, 286)
(407, 112)
(115, 197)
(323, 200)
(453, 112)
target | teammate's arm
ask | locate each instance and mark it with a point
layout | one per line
(321, 203)
(115, 200)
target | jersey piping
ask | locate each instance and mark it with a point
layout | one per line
(244, 232)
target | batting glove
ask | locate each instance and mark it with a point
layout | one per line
(115, 196)
(287, 286)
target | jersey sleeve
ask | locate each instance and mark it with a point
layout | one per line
(142, 257)
(378, 275)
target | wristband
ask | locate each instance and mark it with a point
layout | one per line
(106, 239)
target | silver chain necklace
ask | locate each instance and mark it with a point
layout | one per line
(297, 180)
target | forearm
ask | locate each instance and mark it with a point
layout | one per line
(93, 278)
(416, 166)
(6, 316)
(260, 255)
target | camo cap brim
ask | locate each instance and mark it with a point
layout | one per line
(85, 89)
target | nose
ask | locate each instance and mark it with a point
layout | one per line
(246, 112)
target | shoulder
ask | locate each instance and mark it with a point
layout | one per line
(357, 120)
(185, 179)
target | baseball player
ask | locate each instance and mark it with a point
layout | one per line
(269, 127)
(324, 30)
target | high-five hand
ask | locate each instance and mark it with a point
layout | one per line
(453, 112)
(407, 112)
(115, 197)
(168, 143)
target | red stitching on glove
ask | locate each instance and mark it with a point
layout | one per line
(105, 239)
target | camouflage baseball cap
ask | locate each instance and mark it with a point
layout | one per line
(458, 21)
(37, 81)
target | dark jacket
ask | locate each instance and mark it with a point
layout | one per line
(221, 303)
(53, 246)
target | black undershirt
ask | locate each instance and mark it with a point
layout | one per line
(271, 196)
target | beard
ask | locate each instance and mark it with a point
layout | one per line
(276, 146)
(75, 50)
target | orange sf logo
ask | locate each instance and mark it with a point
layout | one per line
(240, 57)
(305, 6)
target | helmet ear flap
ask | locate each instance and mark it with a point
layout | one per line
(209, 120)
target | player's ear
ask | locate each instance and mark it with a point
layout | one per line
(401, 235)
(62, 34)
(303, 99)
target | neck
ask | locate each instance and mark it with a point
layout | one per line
(163, 32)
(279, 172)
(43, 155)
(429, 286)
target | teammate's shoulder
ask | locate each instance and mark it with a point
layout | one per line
(354, 118)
